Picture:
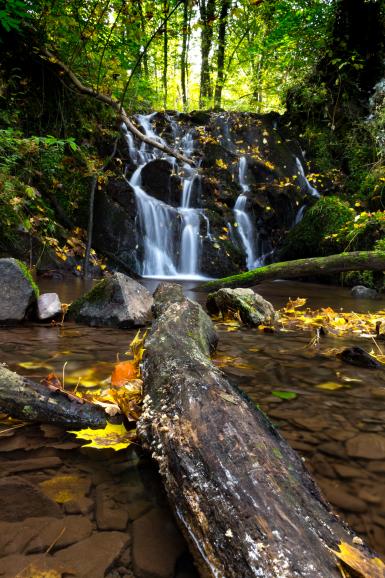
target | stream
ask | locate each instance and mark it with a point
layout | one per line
(339, 433)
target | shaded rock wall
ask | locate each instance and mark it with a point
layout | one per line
(276, 189)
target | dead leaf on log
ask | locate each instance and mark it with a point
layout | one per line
(359, 563)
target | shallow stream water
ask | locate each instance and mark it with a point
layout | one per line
(340, 434)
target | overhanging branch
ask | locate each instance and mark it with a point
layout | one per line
(113, 103)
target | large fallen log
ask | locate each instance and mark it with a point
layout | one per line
(24, 399)
(243, 497)
(355, 261)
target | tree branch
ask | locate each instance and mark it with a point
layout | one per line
(113, 103)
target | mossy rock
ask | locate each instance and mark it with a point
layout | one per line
(117, 301)
(312, 237)
(18, 291)
(251, 308)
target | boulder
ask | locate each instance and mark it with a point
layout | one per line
(165, 294)
(117, 301)
(48, 306)
(251, 307)
(17, 290)
(362, 292)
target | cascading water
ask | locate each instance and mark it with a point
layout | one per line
(304, 180)
(171, 236)
(242, 218)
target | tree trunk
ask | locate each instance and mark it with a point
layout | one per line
(207, 19)
(355, 261)
(242, 496)
(226, 4)
(165, 54)
(24, 399)
(183, 58)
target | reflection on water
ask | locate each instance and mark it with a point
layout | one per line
(340, 432)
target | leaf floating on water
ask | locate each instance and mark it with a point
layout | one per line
(358, 562)
(114, 436)
(123, 372)
(330, 385)
(282, 394)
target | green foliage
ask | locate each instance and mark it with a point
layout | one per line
(13, 14)
(317, 234)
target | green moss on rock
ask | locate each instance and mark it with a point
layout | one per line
(27, 274)
(313, 236)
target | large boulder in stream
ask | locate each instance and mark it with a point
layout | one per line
(252, 308)
(117, 301)
(17, 291)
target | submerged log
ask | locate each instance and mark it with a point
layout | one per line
(341, 263)
(27, 400)
(242, 496)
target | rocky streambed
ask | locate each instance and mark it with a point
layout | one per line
(99, 513)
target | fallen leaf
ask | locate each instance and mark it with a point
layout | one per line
(330, 385)
(282, 394)
(359, 562)
(114, 436)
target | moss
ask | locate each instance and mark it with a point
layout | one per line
(98, 293)
(313, 236)
(27, 274)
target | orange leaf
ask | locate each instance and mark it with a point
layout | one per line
(123, 371)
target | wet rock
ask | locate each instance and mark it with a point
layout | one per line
(370, 496)
(333, 449)
(339, 497)
(91, 558)
(117, 301)
(359, 357)
(48, 306)
(17, 466)
(159, 181)
(252, 308)
(157, 544)
(362, 292)
(369, 446)
(35, 535)
(19, 499)
(33, 565)
(346, 471)
(82, 505)
(164, 295)
(109, 514)
(17, 291)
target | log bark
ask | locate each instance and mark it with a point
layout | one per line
(355, 261)
(242, 496)
(24, 399)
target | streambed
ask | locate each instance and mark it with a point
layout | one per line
(340, 433)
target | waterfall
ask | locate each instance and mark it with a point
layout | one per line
(171, 236)
(304, 180)
(242, 218)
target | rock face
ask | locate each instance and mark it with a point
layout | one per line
(220, 140)
(48, 306)
(117, 301)
(362, 292)
(17, 291)
(252, 308)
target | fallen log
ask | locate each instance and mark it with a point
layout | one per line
(27, 400)
(355, 261)
(243, 498)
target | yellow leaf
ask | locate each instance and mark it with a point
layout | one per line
(113, 436)
(360, 563)
(65, 488)
(330, 385)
